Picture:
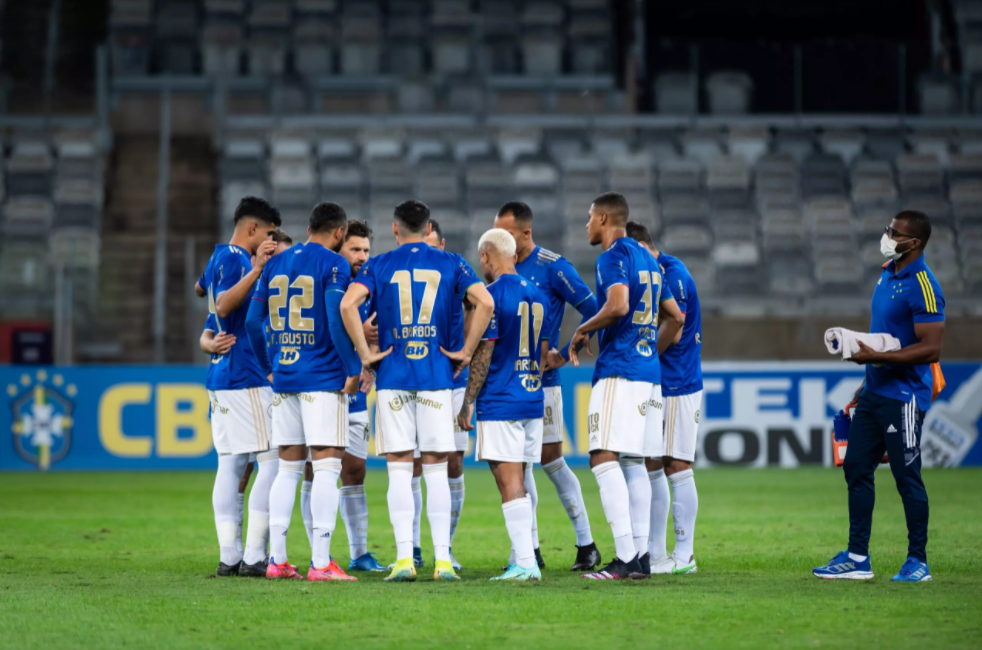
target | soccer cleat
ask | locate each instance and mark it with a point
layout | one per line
(366, 562)
(913, 570)
(444, 571)
(418, 557)
(331, 572)
(453, 562)
(402, 571)
(842, 568)
(538, 559)
(684, 566)
(518, 574)
(616, 570)
(645, 572)
(587, 558)
(285, 571)
(226, 570)
(257, 570)
(664, 564)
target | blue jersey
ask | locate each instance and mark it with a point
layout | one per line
(458, 339)
(294, 285)
(559, 283)
(358, 403)
(681, 367)
(211, 325)
(415, 288)
(238, 368)
(627, 348)
(901, 300)
(513, 388)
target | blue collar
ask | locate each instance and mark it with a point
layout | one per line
(913, 267)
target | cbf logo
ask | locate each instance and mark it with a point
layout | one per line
(42, 417)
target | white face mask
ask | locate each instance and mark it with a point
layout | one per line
(888, 247)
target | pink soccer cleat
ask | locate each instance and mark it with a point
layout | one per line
(283, 571)
(331, 572)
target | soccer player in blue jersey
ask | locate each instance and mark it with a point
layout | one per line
(506, 383)
(626, 380)
(681, 375)
(414, 288)
(455, 462)
(299, 295)
(560, 284)
(239, 391)
(890, 406)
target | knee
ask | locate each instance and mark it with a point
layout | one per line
(653, 464)
(551, 452)
(674, 466)
(353, 475)
(455, 465)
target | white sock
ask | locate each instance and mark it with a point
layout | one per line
(268, 464)
(282, 497)
(661, 502)
(324, 507)
(400, 496)
(417, 509)
(456, 502)
(534, 497)
(518, 521)
(240, 503)
(224, 497)
(639, 489)
(571, 495)
(308, 518)
(857, 558)
(685, 505)
(438, 508)
(354, 512)
(616, 501)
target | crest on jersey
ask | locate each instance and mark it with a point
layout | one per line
(42, 418)
(417, 350)
(644, 348)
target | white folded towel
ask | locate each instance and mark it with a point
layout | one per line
(841, 341)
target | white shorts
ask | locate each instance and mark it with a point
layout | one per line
(653, 427)
(617, 416)
(461, 438)
(317, 419)
(241, 420)
(358, 434)
(407, 418)
(682, 425)
(510, 441)
(552, 423)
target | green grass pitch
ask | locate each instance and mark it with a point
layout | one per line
(127, 560)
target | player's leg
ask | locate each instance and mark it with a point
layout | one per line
(903, 443)
(562, 477)
(257, 540)
(240, 502)
(616, 426)
(864, 453)
(354, 501)
(288, 436)
(639, 496)
(533, 452)
(681, 430)
(434, 432)
(395, 425)
(455, 472)
(325, 422)
(305, 487)
(417, 507)
(224, 492)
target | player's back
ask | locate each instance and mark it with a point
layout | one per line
(238, 368)
(513, 388)
(414, 288)
(296, 283)
(627, 348)
(681, 367)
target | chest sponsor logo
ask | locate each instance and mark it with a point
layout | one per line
(289, 356)
(644, 349)
(417, 350)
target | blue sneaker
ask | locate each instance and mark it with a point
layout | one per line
(913, 570)
(842, 568)
(366, 562)
(454, 562)
(519, 574)
(418, 557)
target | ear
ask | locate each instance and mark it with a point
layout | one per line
(429, 229)
(308, 231)
(395, 229)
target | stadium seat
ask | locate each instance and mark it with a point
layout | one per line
(920, 174)
(847, 144)
(269, 24)
(928, 142)
(221, 44)
(797, 144)
(27, 217)
(681, 175)
(631, 173)
(582, 174)
(687, 239)
(177, 36)
(749, 143)
(703, 145)
(729, 92)
(29, 168)
(676, 93)
(76, 247)
(313, 42)
(939, 94)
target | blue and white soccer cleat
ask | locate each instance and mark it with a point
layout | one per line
(366, 562)
(518, 574)
(842, 568)
(418, 557)
(913, 570)
(454, 562)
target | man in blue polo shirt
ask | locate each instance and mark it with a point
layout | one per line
(907, 304)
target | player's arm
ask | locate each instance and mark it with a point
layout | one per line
(616, 308)
(342, 343)
(219, 343)
(232, 298)
(480, 365)
(930, 338)
(477, 294)
(670, 322)
(353, 299)
(255, 324)
(199, 287)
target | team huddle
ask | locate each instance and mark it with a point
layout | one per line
(300, 334)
